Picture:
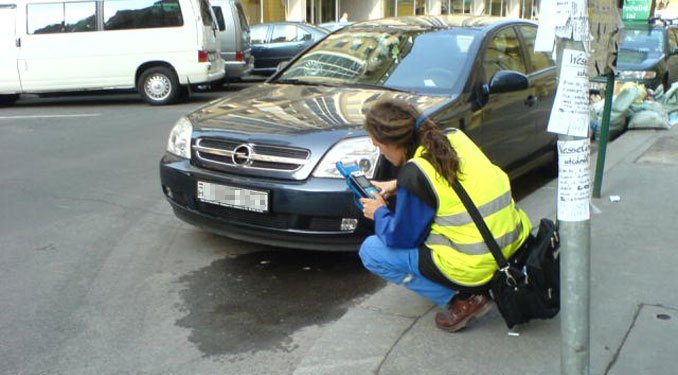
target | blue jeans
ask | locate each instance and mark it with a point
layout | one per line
(401, 266)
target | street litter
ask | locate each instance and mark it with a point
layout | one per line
(265, 262)
(514, 334)
(615, 198)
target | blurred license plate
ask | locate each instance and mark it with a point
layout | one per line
(231, 196)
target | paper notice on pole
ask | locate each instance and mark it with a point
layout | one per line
(574, 180)
(570, 113)
(546, 33)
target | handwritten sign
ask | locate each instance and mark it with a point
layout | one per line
(574, 180)
(546, 33)
(572, 20)
(570, 113)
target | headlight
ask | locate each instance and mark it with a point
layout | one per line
(638, 74)
(359, 150)
(179, 142)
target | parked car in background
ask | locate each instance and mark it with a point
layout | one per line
(334, 26)
(260, 165)
(158, 47)
(234, 38)
(273, 43)
(648, 54)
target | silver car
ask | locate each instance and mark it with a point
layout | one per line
(234, 38)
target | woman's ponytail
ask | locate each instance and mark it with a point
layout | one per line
(438, 151)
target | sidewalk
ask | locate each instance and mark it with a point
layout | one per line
(634, 302)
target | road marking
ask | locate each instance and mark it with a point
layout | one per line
(48, 116)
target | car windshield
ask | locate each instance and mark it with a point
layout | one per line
(424, 62)
(640, 45)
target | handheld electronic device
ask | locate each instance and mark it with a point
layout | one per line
(357, 182)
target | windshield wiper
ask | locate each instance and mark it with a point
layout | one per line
(375, 87)
(293, 81)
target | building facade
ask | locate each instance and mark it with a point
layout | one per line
(319, 11)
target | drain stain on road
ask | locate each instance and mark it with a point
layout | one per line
(256, 301)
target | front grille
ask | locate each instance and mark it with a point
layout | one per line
(251, 155)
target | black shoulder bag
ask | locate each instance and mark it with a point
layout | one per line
(527, 286)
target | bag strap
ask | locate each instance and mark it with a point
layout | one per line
(480, 223)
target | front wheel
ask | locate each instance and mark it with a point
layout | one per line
(159, 85)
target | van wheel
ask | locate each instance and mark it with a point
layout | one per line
(8, 99)
(159, 86)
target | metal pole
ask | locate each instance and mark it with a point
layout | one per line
(604, 130)
(575, 270)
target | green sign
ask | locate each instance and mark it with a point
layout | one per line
(636, 10)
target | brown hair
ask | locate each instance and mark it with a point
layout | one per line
(393, 122)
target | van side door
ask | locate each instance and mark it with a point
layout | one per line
(57, 51)
(9, 50)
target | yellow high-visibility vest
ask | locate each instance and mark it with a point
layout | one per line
(458, 248)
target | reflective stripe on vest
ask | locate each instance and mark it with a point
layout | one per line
(487, 209)
(478, 248)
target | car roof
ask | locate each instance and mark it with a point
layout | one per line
(422, 23)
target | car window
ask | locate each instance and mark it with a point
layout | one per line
(426, 62)
(640, 44)
(258, 34)
(503, 53)
(540, 60)
(283, 33)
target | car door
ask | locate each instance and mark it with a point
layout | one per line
(259, 39)
(542, 92)
(507, 126)
(287, 41)
(9, 51)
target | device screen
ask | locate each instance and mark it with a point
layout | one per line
(363, 182)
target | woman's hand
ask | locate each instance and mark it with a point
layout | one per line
(387, 189)
(370, 205)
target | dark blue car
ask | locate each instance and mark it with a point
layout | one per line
(273, 43)
(648, 54)
(259, 165)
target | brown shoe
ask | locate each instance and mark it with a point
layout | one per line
(461, 312)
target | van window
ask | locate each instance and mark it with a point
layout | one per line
(50, 18)
(243, 19)
(205, 13)
(220, 17)
(141, 14)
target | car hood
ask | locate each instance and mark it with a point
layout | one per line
(310, 117)
(292, 110)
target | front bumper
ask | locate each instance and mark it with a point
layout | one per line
(302, 214)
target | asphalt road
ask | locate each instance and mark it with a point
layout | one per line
(97, 276)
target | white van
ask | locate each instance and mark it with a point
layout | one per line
(159, 47)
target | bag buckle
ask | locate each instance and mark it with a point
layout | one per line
(510, 280)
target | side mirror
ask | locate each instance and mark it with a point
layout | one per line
(507, 81)
(281, 65)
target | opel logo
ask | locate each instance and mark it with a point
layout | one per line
(241, 155)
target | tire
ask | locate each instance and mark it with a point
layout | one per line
(6, 100)
(159, 85)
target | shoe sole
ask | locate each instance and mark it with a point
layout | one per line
(461, 325)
